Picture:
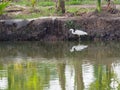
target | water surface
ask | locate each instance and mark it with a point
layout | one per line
(59, 66)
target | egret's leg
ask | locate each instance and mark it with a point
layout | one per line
(79, 39)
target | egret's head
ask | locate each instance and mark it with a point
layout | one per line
(71, 30)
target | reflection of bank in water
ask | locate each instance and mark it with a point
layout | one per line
(78, 48)
(3, 80)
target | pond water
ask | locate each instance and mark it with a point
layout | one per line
(59, 66)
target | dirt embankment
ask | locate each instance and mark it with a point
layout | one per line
(58, 29)
(99, 26)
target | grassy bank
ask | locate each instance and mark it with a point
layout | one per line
(40, 11)
(67, 2)
(51, 12)
(47, 8)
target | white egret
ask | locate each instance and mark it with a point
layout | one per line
(78, 32)
(78, 48)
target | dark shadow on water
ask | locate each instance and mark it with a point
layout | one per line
(57, 50)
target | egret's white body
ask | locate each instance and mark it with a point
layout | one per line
(78, 32)
(78, 48)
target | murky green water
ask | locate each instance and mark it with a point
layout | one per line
(59, 66)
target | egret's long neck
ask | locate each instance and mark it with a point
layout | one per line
(73, 49)
(73, 31)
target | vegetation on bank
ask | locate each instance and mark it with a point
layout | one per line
(3, 5)
(37, 8)
(67, 2)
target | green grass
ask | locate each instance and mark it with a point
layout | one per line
(52, 3)
(47, 7)
(117, 1)
(68, 2)
(46, 4)
(23, 3)
(80, 2)
(73, 3)
(73, 10)
(42, 3)
(44, 11)
(33, 15)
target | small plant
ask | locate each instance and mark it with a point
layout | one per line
(33, 2)
(3, 5)
(69, 24)
(59, 13)
(99, 5)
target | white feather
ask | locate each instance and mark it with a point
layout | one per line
(78, 32)
(78, 48)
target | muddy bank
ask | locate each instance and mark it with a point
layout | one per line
(98, 28)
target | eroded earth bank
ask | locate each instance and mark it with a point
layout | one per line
(57, 28)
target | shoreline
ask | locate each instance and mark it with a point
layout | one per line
(57, 28)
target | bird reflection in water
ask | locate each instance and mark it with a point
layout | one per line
(3, 80)
(78, 47)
